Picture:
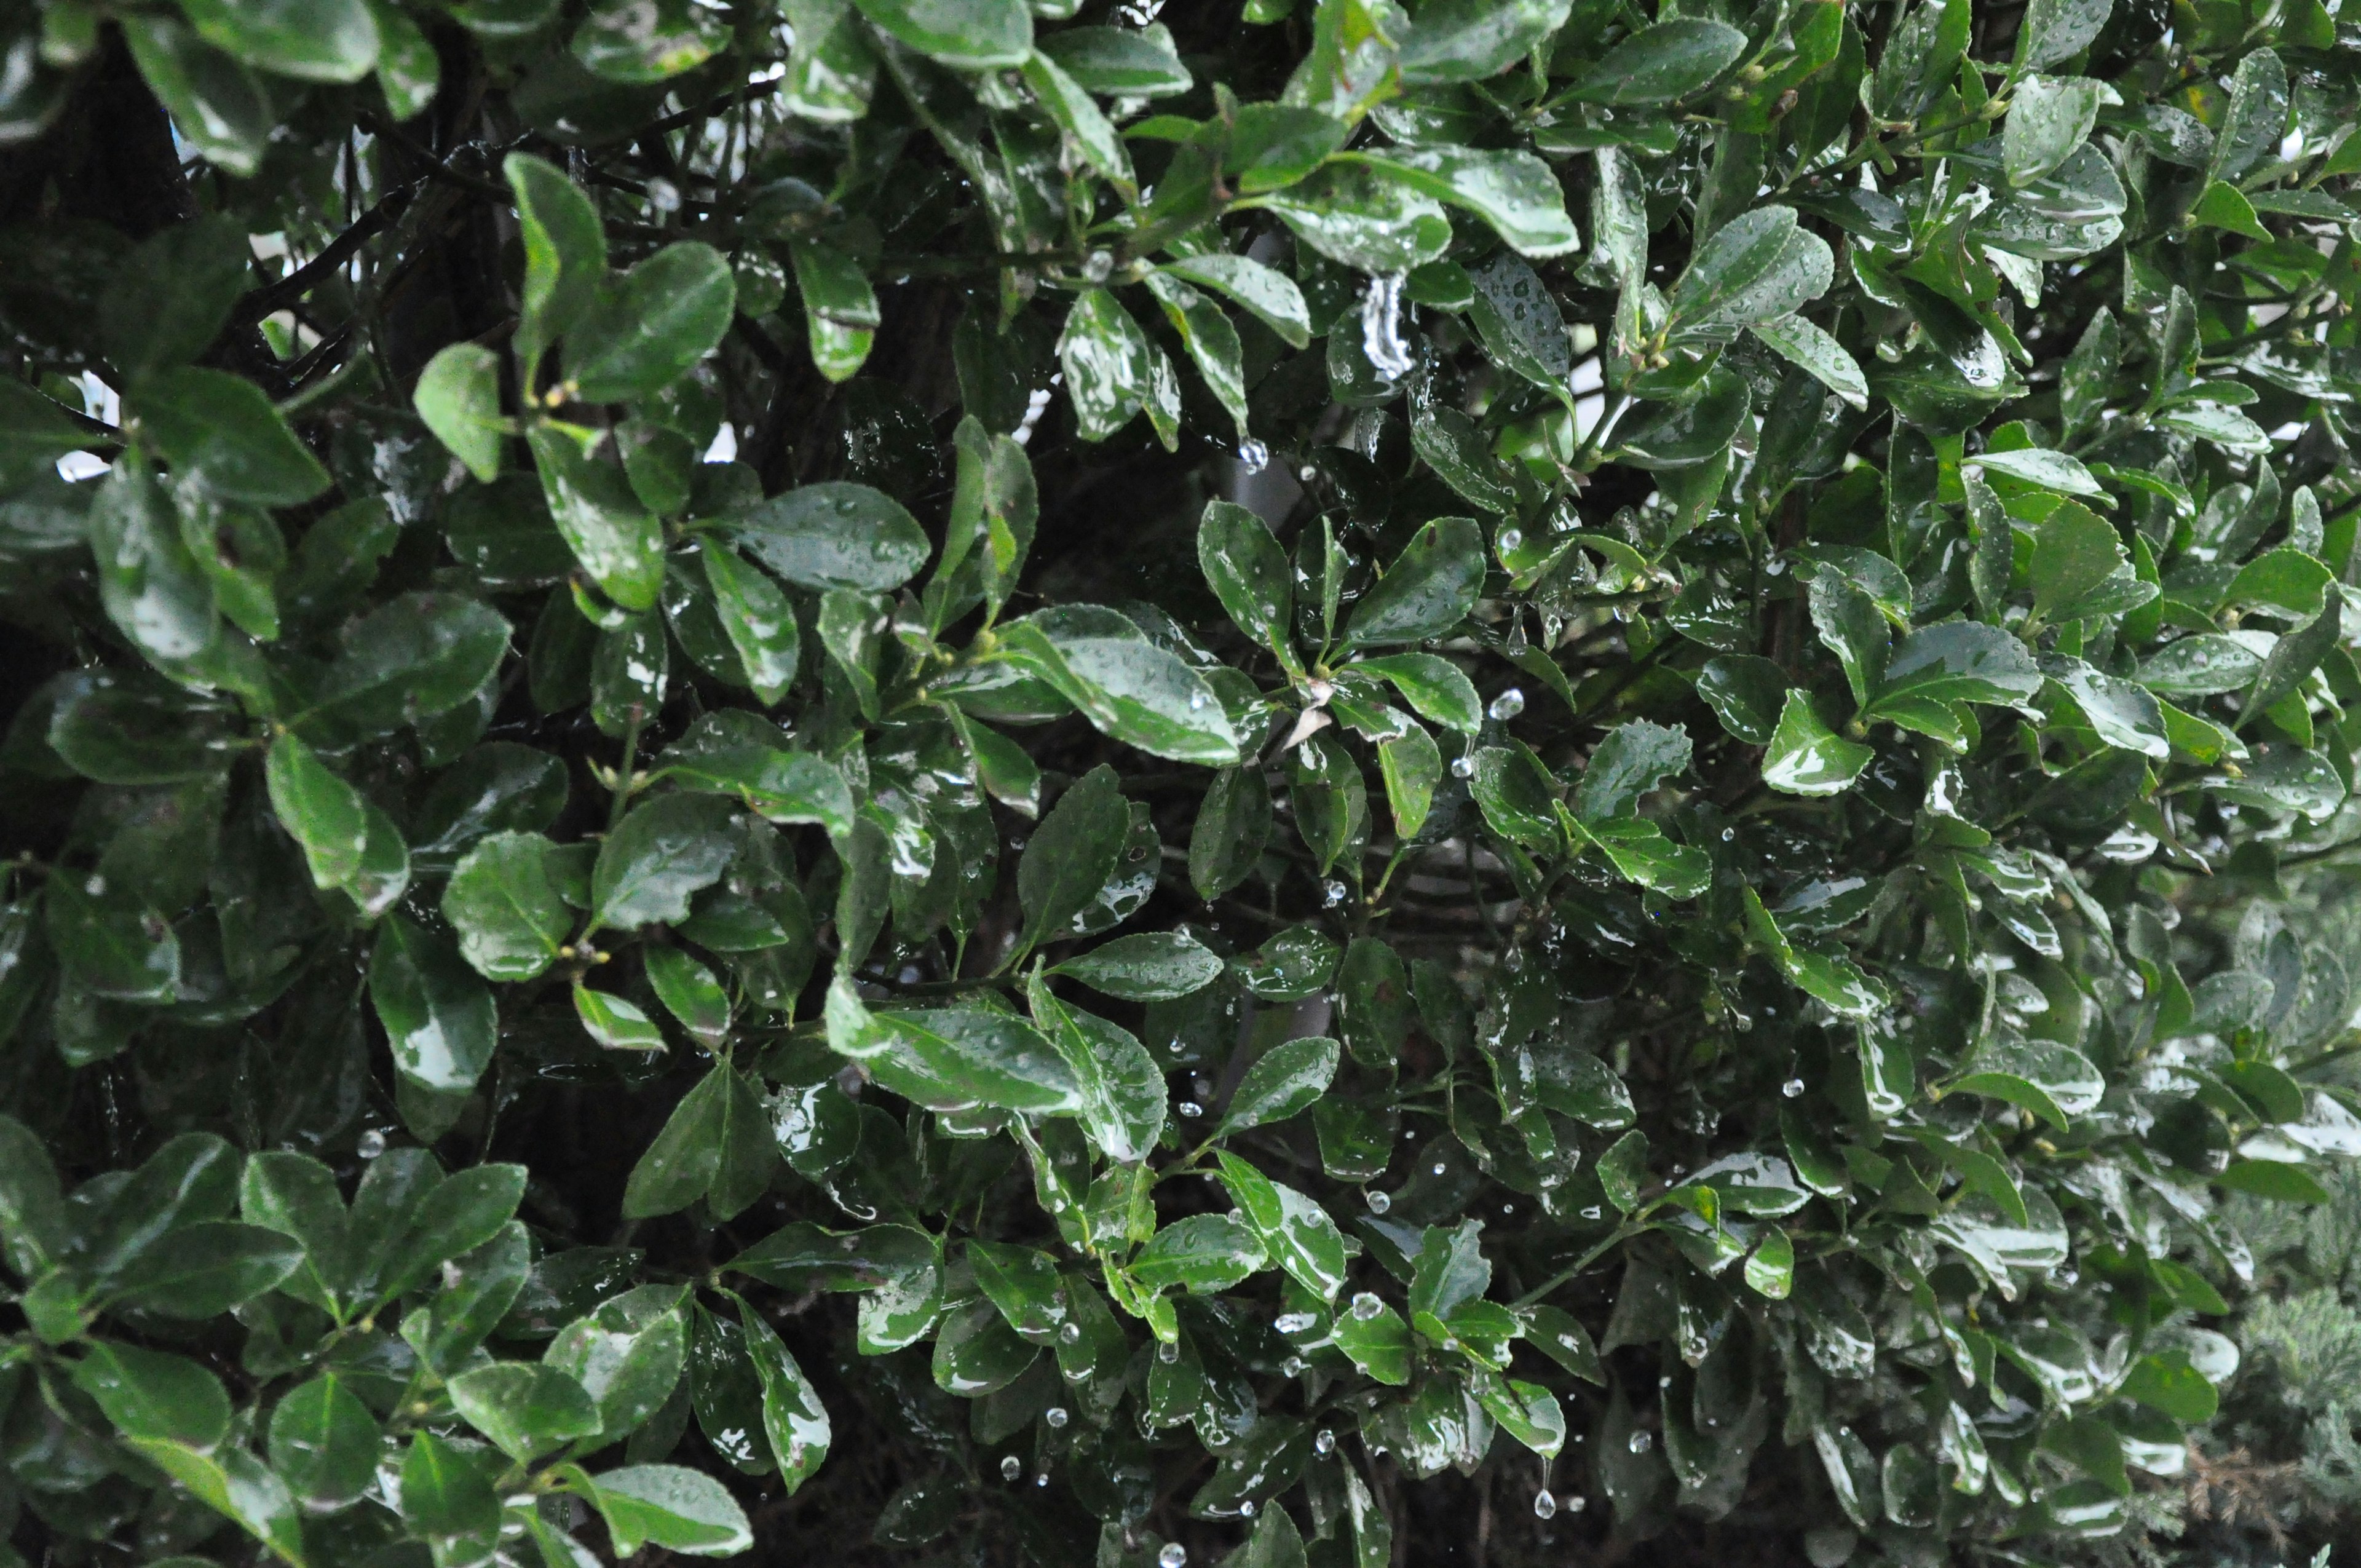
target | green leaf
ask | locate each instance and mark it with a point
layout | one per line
(1154, 966)
(1109, 365)
(1250, 573)
(413, 656)
(1283, 1082)
(1232, 828)
(627, 1354)
(1202, 1253)
(1758, 267)
(2273, 1179)
(154, 1395)
(1746, 692)
(170, 299)
(228, 115)
(2054, 1081)
(968, 35)
(1071, 855)
(794, 1420)
(1427, 591)
(330, 40)
(439, 1018)
(1770, 1269)
(2074, 551)
(1805, 757)
(203, 1270)
(1813, 351)
(1364, 217)
(1376, 1337)
(1519, 321)
(953, 1058)
(565, 252)
(716, 1142)
(324, 1443)
(1661, 63)
(2202, 665)
(32, 1213)
(1467, 40)
(459, 396)
(1290, 967)
(1960, 660)
(663, 853)
(1559, 1336)
(2256, 120)
(219, 430)
(150, 585)
(1511, 189)
(526, 1409)
(618, 541)
(323, 812)
(1264, 293)
(2056, 30)
(834, 535)
(446, 1499)
(1634, 760)
(1298, 1233)
(690, 995)
(645, 331)
(640, 42)
(111, 943)
(1129, 688)
(503, 903)
(2049, 117)
(237, 1485)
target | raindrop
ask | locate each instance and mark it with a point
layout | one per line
(1590, 1211)
(1252, 457)
(1381, 338)
(1641, 1441)
(1247, 1509)
(1332, 894)
(1366, 1306)
(1011, 1469)
(1293, 1322)
(1174, 1555)
(1196, 701)
(1307, 473)
(1192, 1110)
(1072, 1334)
(1099, 266)
(1168, 1354)
(1437, 1168)
(1665, 1381)
(1042, 1479)
(1507, 543)
(370, 1144)
(1544, 1505)
(1727, 834)
(1378, 1202)
(1508, 1207)
(1576, 1504)
(1792, 1088)
(1326, 1444)
(664, 195)
(1292, 1366)
(1055, 1415)
(1463, 766)
(1507, 705)
(95, 886)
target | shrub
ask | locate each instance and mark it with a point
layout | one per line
(1073, 787)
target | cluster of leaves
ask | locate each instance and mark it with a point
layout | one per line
(624, 602)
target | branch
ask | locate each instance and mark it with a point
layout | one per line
(271, 297)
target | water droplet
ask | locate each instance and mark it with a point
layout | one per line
(370, 1144)
(1508, 1207)
(1254, 456)
(1174, 1555)
(1042, 1479)
(1366, 1306)
(1507, 705)
(1332, 894)
(1381, 338)
(1099, 266)
(1326, 1444)
(1196, 701)
(1544, 1505)
(1792, 1088)
(1168, 1354)
(1378, 1202)
(1665, 1381)
(1072, 1334)
(1437, 1168)
(1247, 1509)
(1307, 473)
(1576, 1504)
(1463, 766)
(1590, 1211)
(1509, 541)
(664, 195)
(1293, 1322)
(1055, 1415)
(1192, 1110)
(1292, 1366)
(1011, 1469)
(1641, 1441)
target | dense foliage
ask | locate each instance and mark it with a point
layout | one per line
(933, 780)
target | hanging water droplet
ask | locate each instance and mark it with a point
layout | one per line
(1437, 1168)
(1508, 1207)
(1511, 540)
(1069, 1333)
(1463, 766)
(1792, 1088)
(1292, 1366)
(1247, 1509)
(1174, 1555)
(1167, 1352)
(1590, 1211)
(1507, 705)
(1306, 475)
(1381, 338)
(1366, 1306)
(1325, 1443)
(1665, 1381)
(1190, 1110)
(1055, 1415)
(1641, 1441)
(1011, 1469)
(1252, 457)
(664, 195)
(369, 1144)
(1099, 266)
(1544, 1505)
(1576, 1504)
(1332, 894)
(1378, 1202)
(1042, 1479)
(95, 886)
